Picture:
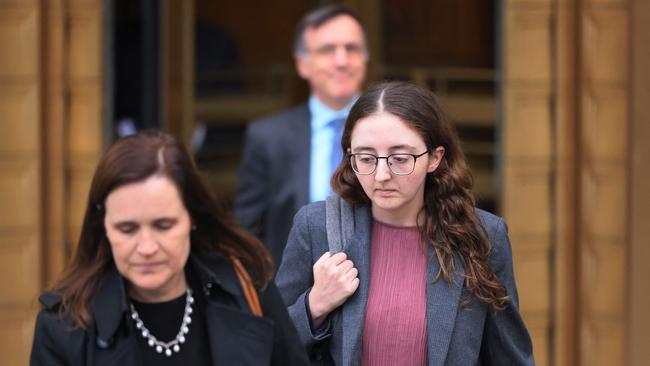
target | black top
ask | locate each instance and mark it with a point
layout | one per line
(164, 321)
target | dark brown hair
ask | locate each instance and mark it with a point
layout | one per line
(134, 159)
(450, 222)
(318, 17)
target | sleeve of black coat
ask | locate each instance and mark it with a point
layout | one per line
(251, 198)
(505, 339)
(54, 342)
(287, 349)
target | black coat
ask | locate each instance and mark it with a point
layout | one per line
(236, 336)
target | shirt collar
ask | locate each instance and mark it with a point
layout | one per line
(321, 114)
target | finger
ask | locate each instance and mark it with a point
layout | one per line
(354, 284)
(345, 266)
(338, 258)
(352, 273)
(323, 257)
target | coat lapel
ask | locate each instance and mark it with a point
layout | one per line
(353, 313)
(109, 306)
(443, 300)
(108, 309)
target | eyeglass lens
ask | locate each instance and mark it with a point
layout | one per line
(400, 164)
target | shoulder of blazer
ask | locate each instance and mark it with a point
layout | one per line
(296, 115)
(314, 215)
(497, 232)
(490, 222)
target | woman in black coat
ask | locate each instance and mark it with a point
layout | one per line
(161, 275)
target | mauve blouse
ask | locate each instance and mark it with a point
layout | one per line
(395, 327)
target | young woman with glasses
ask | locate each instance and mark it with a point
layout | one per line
(426, 278)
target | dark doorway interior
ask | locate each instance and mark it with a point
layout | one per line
(136, 65)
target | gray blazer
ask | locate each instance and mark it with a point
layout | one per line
(457, 334)
(274, 176)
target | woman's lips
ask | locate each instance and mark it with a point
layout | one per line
(147, 266)
(385, 192)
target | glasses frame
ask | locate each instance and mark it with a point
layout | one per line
(415, 159)
(329, 50)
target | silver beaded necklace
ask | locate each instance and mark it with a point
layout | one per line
(175, 344)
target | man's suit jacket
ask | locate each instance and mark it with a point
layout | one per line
(274, 176)
(457, 333)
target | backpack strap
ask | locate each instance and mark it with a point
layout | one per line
(247, 285)
(339, 223)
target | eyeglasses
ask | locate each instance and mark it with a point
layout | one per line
(399, 164)
(329, 50)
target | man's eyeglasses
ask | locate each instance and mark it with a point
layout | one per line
(399, 164)
(329, 50)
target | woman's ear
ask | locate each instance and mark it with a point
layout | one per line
(435, 158)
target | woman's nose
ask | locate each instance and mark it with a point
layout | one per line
(146, 242)
(382, 171)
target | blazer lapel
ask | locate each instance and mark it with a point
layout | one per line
(353, 312)
(443, 300)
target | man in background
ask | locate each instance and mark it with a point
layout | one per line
(288, 157)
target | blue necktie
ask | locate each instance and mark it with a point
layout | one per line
(337, 154)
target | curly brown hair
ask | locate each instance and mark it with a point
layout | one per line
(134, 159)
(450, 223)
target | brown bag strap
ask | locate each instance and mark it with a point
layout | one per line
(247, 285)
